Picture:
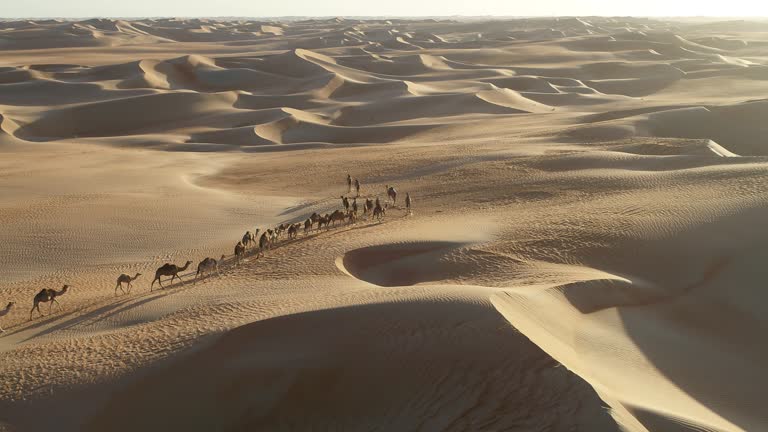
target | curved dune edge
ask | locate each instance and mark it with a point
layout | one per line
(728, 130)
(315, 368)
(401, 264)
(625, 345)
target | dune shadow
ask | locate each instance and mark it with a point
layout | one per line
(72, 318)
(402, 264)
(286, 372)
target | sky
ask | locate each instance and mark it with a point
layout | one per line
(273, 8)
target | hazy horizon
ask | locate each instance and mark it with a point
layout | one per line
(393, 8)
(288, 18)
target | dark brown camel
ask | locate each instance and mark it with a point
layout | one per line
(168, 269)
(379, 211)
(281, 229)
(47, 295)
(239, 252)
(264, 242)
(325, 220)
(337, 216)
(293, 231)
(408, 202)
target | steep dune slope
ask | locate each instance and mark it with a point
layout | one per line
(123, 116)
(328, 368)
(643, 330)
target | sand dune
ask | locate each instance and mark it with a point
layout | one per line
(298, 128)
(735, 127)
(584, 252)
(342, 88)
(485, 102)
(124, 116)
(322, 396)
(621, 323)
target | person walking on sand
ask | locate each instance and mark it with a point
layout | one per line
(357, 187)
(408, 203)
(349, 183)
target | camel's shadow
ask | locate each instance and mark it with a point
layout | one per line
(96, 315)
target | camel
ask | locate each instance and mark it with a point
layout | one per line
(379, 211)
(168, 269)
(392, 194)
(337, 216)
(263, 244)
(307, 226)
(273, 236)
(408, 202)
(239, 252)
(293, 232)
(125, 279)
(281, 229)
(314, 218)
(47, 295)
(5, 312)
(246, 239)
(325, 220)
(368, 206)
(349, 183)
(207, 266)
(345, 202)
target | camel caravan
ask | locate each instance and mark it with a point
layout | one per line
(257, 242)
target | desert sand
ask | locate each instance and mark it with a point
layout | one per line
(585, 251)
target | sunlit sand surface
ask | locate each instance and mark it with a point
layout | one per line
(584, 254)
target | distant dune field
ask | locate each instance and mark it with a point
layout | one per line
(584, 252)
